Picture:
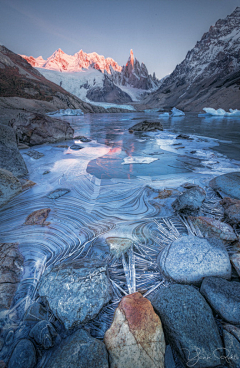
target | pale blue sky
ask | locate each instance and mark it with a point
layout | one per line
(160, 32)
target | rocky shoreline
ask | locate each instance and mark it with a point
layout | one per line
(189, 318)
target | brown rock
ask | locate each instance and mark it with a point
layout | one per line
(231, 210)
(135, 338)
(164, 194)
(28, 184)
(212, 228)
(2, 364)
(38, 217)
(11, 263)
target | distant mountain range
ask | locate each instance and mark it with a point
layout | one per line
(209, 76)
(92, 77)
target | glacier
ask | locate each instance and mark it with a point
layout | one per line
(67, 112)
(220, 112)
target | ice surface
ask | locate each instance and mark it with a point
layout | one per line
(138, 160)
(67, 112)
(176, 112)
(221, 112)
(107, 105)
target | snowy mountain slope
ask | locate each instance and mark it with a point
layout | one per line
(95, 78)
(210, 73)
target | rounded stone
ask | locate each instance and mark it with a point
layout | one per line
(23, 356)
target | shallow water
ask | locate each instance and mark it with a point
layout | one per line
(113, 194)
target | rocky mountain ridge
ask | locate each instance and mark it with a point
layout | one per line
(210, 73)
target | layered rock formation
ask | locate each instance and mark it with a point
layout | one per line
(209, 76)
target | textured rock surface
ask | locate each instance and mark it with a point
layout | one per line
(211, 228)
(118, 246)
(224, 297)
(10, 186)
(189, 259)
(146, 126)
(135, 338)
(35, 129)
(189, 325)
(11, 266)
(44, 334)
(55, 194)
(228, 184)
(235, 260)
(232, 349)
(23, 356)
(231, 210)
(38, 217)
(79, 350)
(76, 291)
(190, 200)
(10, 157)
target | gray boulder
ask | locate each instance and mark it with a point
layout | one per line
(23, 356)
(212, 228)
(189, 259)
(10, 186)
(79, 350)
(44, 334)
(232, 349)
(189, 325)
(190, 200)
(11, 267)
(35, 129)
(228, 184)
(224, 297)
(231, 210)
(76, 290)
(10, 157)
(146, 126)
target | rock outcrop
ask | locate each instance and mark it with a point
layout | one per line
(135, 338)
(76, 290)
(35, 129)
(211, 228)
(146, 126)
(231, 210)
(10, 186)
(11, 267)
(190, 200)
(227, 184)
(10, 157)
(189, 259)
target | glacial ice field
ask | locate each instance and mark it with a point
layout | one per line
(112, 186)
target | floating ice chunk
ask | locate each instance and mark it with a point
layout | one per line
(164, 115)
(108, 105)
(176, 112)
(138, 160)
(67, 112)
(221, 112)
(151, 110)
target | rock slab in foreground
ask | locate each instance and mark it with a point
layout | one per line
(23, 356)
(10, 157)
(190, 200)
(35, 129)
(189, 259)
(11, 266)
(146, 126)
(79, 350)
(76, 290)
(10, 186)
(135, 338)
(211, 228)
(189, 325)
(228, 184)
(224, 297)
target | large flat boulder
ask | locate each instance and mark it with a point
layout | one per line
(35, 129)
(10, 186)
(189, 325)
(79, 350)
(189, 259)
(224, 297)
(135, 338)
(76, 290)
(10, 157)
(227, 184)
(11, 267)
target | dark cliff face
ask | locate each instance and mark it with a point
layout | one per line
(209, 71)
(134, 75)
